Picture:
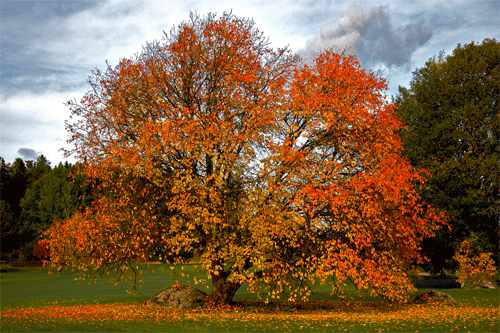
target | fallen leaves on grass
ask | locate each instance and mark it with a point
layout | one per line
(257, 315)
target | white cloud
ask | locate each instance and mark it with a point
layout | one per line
(55, 58)
(87, 38)
(34, 121)
(48, 55)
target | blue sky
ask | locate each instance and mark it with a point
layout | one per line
(48, 48)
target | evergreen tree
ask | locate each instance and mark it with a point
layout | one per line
(16, 186)
(33, 196)
(54, 196)
(13, 185)
(37, 169)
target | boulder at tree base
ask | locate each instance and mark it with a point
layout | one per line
(480, 281)
(433, 296)
(179, 297)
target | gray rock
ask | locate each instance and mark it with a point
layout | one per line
(480, 281)
(179, 297)
(434, 296)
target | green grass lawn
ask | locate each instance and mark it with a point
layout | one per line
(34, 301)
(22, 286)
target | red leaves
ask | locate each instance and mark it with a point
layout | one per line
(353, 180)
(241, 154)
(256, 316)
(41, 250)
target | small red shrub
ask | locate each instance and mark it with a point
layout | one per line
(41, 250)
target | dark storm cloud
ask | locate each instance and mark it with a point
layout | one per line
(370, 36)
(28, 153)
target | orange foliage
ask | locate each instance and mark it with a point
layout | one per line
(470, 264)
(258, 317)
(271, 170)
(41, 250)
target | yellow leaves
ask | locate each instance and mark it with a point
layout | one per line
(470, 263)
(255, 161)
(263, 316)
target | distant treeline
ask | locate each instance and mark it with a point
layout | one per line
(34, 195)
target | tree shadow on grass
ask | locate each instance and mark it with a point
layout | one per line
(7, 269)
(437, 283)
(305, 306)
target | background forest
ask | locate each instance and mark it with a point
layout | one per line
(33, 196)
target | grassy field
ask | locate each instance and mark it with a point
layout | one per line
(34, 301)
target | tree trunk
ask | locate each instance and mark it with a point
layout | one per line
(223, 290)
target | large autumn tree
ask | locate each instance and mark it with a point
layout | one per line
(452, 128)
(272, 171)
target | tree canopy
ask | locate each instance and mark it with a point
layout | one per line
(270, 170)
(452, 128)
